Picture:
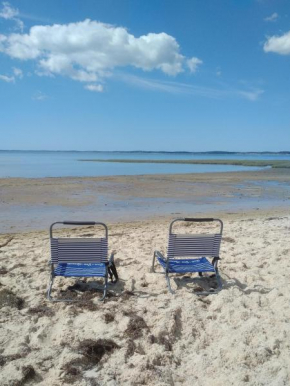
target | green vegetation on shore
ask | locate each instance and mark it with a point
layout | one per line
(257, 163)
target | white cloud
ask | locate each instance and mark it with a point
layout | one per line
(178, 88)
(193, 63)
(10, 13)
(8, 79)
(94, 87)
(18, 72)
(273, 17)
(7, 12)
(39, 96)
(278, 44)
(89, 51)
(251, 95)
(218, 72)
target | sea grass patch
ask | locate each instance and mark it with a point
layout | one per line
(91, 351)
(229, 240)
(136, 326)
(164, 340)
(9, 358)
(109, 317)
(28, 373)
(9, 299)
(94, 350)
(41, 311)
(81, 305)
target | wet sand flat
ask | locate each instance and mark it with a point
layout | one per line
(27, 204)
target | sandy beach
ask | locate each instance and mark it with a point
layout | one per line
(145, 335)
(141, 334)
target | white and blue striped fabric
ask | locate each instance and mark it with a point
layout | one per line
(187, 265)
(193, 245)
(196, 246)
(68, 250)
(79, 257)
(80, 270)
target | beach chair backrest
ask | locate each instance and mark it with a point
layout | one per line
(192, 245)
(79, 250)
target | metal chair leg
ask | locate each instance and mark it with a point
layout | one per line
(105, 289)
(153, 263)
(219, 282)
(168, 284)
(50, 288)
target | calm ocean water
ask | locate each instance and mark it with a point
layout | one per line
(37, 164)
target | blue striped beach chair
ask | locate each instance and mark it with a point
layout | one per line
(81, 257)
(189, 253)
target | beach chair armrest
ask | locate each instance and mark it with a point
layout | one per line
(156, 254)
(215, 261)
(159, 254)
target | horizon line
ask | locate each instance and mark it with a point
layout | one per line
(153, 151)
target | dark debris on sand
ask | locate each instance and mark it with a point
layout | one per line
(109, 317)
(28, 375)
(41, 311)
(8, 298)
(135, 326)
(92, 352)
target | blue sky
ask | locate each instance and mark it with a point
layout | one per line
(145, 75)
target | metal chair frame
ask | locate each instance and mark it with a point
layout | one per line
(214, 261)
(52, 265)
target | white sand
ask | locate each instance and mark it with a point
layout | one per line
(240, 336)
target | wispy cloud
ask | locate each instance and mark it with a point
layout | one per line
(252, 95)
(38, 19)
(193, 64)
(9, 13)
(17, 73)
(94, 87)
(218, 72)
(272, 17)
(177, 88)
(39, 96)
(8, 79)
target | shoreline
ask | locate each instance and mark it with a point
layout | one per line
(242, 216)
(31, 204)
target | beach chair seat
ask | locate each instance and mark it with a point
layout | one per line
(190, 253)
(187, 265)
(80, 270)
(81, 257)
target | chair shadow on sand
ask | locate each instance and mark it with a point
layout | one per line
(198, 284)
(84, 290)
